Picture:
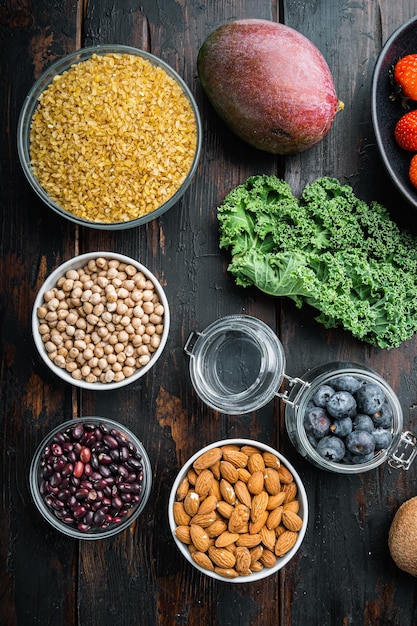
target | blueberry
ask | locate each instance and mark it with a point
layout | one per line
(322, 395)
(370, 398)
(331, 448)
(383, 417)
(382, 437)
(342, 427)
(363, 422)
(346, 382)
(356, 459)
(341, 404)
(360, 442)
(316, 422)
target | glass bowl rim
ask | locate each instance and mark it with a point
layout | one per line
(261, 335)
(29, 106)
(55, 522)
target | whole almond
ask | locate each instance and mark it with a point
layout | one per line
(268, 558)
(256, 566)
(228, 471)
(291, 520)
(201, 559)
(276, 500)
(248, 450)
(215, 490)
(203, 519)
(292, 505)
(285, 542)
(231, 547)
(226, 573)
(243, 474)
(235, 457)
(239, 519)
(230, 446)
(191, 503)
(246, 540)
(180, 516)
(207, 459)
(256, 462)
(221, 557)
(268, 537)
(183, 488)
(227, 491)
(242, 493)
(255, 553)
(192, 476)
(243, 561)
(290, 490)
(215, 468)
(256, 482)
(285, 475)
(271, 480)
(271, 460)
(255, 527)
(199, 537)
(225, 509)
(225, 539)
(183, 534)
(279, 530)
(216, 528)
(259, 504)
(274, 517)
(204, 482)
(208, 505)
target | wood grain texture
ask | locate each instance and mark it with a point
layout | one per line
(343, 574)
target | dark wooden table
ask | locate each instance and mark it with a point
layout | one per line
(343, 574)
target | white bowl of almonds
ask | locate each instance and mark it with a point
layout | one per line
(100, 321)
(238, 510)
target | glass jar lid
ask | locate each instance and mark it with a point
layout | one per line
(236, 364)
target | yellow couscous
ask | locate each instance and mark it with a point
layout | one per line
(112, 138)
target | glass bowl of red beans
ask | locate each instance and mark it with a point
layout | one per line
(90, 478)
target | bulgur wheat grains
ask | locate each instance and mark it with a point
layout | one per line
(112, 138)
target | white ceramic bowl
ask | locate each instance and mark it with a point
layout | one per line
(29, 107)
(50, 282)
(301, 497)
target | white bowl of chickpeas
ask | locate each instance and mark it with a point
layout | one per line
(100, 321)
(238, 510)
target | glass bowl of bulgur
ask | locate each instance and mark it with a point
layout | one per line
(109, 137)
(100, 321)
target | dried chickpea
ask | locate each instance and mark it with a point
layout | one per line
(96, 322)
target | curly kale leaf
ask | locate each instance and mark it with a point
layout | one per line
(330, 250)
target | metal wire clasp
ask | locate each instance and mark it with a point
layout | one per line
(292, 382)
(405, 453)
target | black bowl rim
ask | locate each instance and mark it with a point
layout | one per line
(402, 184)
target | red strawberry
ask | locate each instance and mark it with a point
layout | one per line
(412, 173)
(406, 131)
(405, 76)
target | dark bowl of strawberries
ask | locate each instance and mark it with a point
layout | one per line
(394, 108)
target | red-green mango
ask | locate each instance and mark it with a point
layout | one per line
(269, 83)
